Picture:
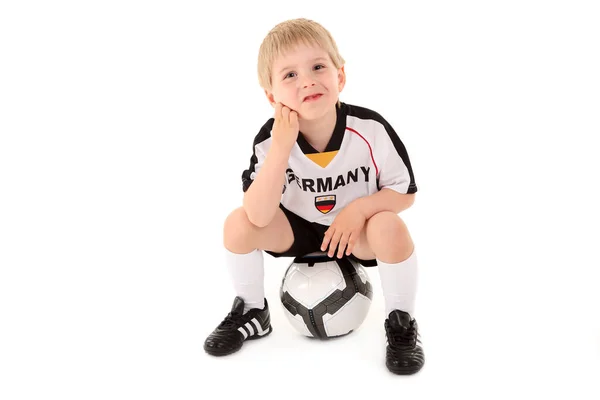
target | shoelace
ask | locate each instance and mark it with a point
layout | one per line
(232, 320)
(402, 338)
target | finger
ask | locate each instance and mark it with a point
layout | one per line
(293, 118)
(278, 107)
(334, 242)
(342, 245)
(285, 114)
(351, 244)
(327, 238)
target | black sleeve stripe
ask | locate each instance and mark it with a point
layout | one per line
(263, 134)
(365, 113)
(401, 149)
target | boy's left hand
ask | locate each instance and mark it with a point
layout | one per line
(344, 231)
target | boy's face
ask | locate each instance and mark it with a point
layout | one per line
(305, 80)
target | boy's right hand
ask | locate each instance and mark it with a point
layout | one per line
(286, 128)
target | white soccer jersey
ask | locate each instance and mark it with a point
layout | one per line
(363, 156)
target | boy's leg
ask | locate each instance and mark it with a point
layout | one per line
(390, 240)
(249, 317)
(244, 243)
(241, 236)
(386, 237)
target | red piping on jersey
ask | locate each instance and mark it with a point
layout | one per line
(370, 150)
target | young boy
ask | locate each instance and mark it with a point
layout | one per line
(324, 176)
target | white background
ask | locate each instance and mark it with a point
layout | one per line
(125, 127)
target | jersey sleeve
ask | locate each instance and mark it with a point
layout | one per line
(396, 171)
(260, 146)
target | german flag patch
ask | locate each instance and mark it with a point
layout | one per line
(325, 203)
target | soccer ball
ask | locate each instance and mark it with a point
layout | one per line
(324, 297)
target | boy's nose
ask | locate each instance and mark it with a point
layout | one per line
(308, 81)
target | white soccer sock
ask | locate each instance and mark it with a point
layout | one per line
(399, 284)
(248, 275)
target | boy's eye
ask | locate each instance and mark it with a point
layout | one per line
(293, 74)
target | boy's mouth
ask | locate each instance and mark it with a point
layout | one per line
(313, 97)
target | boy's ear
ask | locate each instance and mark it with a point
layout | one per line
(341, 78)
(270, 97)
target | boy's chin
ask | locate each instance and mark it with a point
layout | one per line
(313, 114)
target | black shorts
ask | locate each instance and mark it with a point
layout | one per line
(308, 237)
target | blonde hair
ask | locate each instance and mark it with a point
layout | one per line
(288, 34)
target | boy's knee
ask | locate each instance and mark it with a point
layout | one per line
(386, 224)
(237, 228)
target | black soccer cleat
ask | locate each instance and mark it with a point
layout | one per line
(237, 327)
(404, 355)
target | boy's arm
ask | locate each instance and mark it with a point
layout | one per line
(262, 198)
(384, 200)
